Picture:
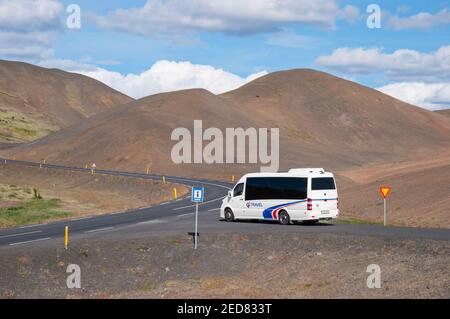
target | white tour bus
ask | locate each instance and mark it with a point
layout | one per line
(302, 194)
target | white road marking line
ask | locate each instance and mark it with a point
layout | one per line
(131, 210)
(211, 210)
(81, 218)
(184, 215)
(194, 181)
(98, 230)
(29, 241)
(154, 221)
(164, 203)
(178, 208)
(21, 234)
(34, 225)
(204, 203)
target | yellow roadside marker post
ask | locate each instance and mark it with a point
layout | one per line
(164, 179)
(175, 193)
(66, 237)
(232, 178)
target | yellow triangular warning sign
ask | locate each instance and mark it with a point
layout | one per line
(384, 190)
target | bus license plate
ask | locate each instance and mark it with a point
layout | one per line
(325, 212)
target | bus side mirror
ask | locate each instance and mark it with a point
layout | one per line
(229, 194)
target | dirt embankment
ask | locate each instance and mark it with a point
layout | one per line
(231, 266)
(80, 193)
(419, 196)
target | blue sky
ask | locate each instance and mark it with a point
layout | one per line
(138, 46)
(243, 54)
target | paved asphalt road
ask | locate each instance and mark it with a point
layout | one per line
(4, 146)
(176, 217)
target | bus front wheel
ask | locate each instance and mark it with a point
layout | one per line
(283, 218)
(229, 216)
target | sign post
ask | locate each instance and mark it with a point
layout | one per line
(197, 196)
(385, 190)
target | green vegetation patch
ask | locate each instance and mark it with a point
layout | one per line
(25, 132)
(6, 138)
(32, 211)
(8, 192)
(16, 126)
(356, 221)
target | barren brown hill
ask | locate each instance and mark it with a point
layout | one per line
(323, 120)
(326, 115)
(36, 101)
(135, 135)
(444, 112)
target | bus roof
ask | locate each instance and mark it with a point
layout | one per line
(296, 173)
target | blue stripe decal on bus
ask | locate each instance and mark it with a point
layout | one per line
(267, 213)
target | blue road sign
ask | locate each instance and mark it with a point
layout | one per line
(198, 194)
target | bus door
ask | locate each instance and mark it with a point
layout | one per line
(237, 200)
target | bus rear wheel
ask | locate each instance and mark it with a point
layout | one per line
(283, 218)
(229, 216)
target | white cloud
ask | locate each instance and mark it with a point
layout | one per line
(27, 15)
(68, 65)
(421, 79)
(26, 46)
(422, 20)
(288, 38)
(27, 28)
(163, 76)
(350, 13)
(231, 16)
(402, 9)
(432, 96)
(401, 65)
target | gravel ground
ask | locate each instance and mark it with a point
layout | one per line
(230, 266)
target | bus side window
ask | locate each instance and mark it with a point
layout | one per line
(238, 190)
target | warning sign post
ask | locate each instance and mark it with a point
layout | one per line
(385, 190)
